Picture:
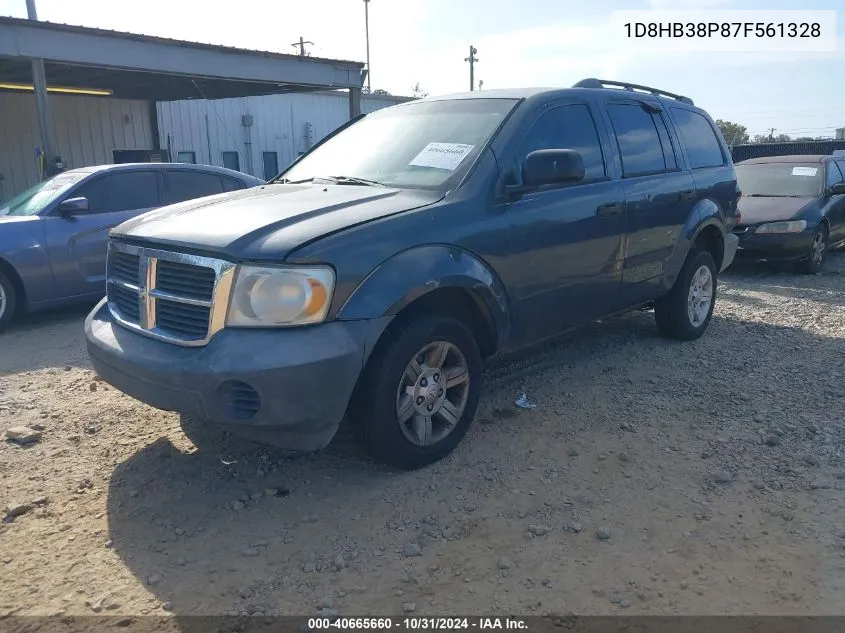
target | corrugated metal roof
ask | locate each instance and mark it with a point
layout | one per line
(72, 28)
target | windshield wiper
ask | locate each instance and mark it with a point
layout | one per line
(354, 180)
(774, 195)
(339, 180)
(285, 181)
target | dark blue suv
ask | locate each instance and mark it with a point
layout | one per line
(375, 275)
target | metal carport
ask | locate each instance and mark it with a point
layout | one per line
(130, 66)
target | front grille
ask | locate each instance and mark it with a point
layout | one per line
(165, 295)
(124, 267)
(182, 320)
(195, 282)
(126, 302)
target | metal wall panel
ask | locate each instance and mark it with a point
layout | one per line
(87, 129)
(285, 124)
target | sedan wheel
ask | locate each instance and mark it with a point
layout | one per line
(818, 249)
(8, 301)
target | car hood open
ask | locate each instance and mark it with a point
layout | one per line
(270, 221)
(771, 209)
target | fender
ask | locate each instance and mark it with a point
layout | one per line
(705, 213)
(409, 275)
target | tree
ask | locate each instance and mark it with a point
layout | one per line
(417, 92)
(768, 138)
(734, 133)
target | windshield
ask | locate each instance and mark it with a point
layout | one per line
(415, 145)
(780, 179)
(36, 198)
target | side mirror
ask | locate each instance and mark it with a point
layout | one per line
(837, 189)
(72, 206)
(550, 167)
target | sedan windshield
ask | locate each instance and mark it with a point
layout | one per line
(36, 198)
(780, 180)
(421, 144)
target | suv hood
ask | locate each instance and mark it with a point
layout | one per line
(268, 222)
(771, 209)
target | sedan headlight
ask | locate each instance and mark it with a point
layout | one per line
(793, 226)
(264, 296)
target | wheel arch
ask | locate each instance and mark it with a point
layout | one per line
(705, 228)
(439, 278)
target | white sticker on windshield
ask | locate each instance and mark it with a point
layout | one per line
(442, 155)
(804, 171)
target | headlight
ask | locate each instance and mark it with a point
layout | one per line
(264, 296)
(794, 226)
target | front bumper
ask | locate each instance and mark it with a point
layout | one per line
(288, 386)
(731, 245)
(775, 246)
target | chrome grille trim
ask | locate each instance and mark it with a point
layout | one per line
(149, 295)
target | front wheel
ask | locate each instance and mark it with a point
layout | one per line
(818, 248)
(684, 313)
(419, 393)
(8, 301)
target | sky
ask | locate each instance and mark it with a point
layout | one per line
(521, 43)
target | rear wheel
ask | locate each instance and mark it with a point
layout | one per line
(419, 393)
(8, 301)
(684, 313)
(818, 249)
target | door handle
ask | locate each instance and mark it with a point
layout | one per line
(609, 209)
(688, 194)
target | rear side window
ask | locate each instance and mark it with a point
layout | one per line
(186, 185)
(567, 127)
(841, 165)
(121, 191)
(230, 184)
(639, 142)
(700, 139)
(834, 176)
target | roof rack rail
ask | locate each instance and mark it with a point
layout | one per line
(601, 83)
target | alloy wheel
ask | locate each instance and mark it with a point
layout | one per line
(432, 393)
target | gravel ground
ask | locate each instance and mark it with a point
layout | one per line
(652, 477)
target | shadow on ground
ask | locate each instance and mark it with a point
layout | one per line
(194, 526)
(52, 338)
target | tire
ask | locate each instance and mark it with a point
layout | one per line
(390, 387)
(8, 301)
(818, 249)
(672, 312)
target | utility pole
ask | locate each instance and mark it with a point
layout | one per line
(301, 46)
(42, 106)
(367, 32)
(471, 59)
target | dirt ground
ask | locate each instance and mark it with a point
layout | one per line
(716, 469)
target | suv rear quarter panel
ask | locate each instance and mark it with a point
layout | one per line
(716, 192)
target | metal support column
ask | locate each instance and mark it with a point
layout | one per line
(354, 102)
(42, 105)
